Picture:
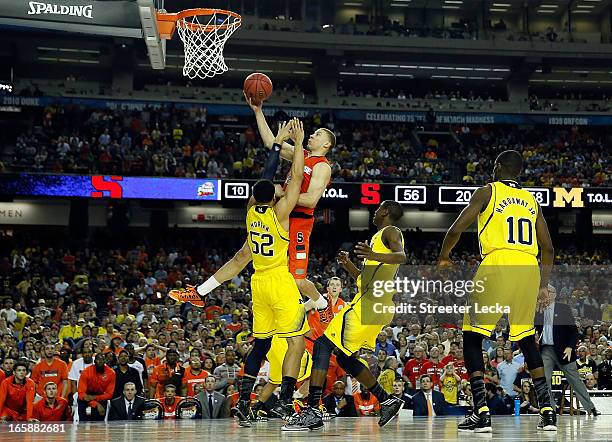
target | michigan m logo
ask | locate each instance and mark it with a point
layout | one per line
(564, 197)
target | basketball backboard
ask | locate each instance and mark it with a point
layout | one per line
(117, 18)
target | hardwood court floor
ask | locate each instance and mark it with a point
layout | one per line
(507, 428)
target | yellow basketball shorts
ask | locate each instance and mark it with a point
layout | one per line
(348, 332)
(276, 355)
(277, 309)
(507, 282)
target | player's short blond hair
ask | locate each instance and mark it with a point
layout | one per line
(331, 137)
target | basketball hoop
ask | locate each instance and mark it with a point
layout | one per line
(204, 33)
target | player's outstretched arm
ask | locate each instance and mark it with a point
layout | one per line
(392, 238)
(348, 265)
(546, 247)
(286, 204)
(321, 174)
(465, 219)
(266, 133)
(227, 271)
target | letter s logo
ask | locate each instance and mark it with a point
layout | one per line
(112, 187)
(370, 193)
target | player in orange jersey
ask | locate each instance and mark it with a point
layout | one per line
(170, 401)
(17, 395)
(194, 374)
(317, 176)
(50, 369)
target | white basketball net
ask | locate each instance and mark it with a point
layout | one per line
(204, 38)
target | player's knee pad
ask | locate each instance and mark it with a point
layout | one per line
(256, 356)
(351, 364)
(472, 345)
(533, 358)
(321, 353)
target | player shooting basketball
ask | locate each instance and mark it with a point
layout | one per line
(317, 176)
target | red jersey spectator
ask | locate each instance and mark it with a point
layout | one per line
(335, 303)
(194, 374)
(334, 374)
(413, 367)
(456, 357)
(433, 367)
(52, 408)
(169, 373)
(151, 359)
(95, 389)
(235, 326)
(170, 401)
(17, 395)
(366, 403)
(213, 307)
(50, 369)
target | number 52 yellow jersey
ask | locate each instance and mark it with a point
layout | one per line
(508, 222)
(267, 239)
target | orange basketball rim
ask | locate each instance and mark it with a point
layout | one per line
(204, 32)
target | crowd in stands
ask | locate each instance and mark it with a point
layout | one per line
(401, 94)
(168, 141)
(461, 30)
(65, 301)
(569, 157)
(577, 102)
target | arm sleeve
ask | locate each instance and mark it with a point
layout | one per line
(571, 321)
(82, 387)
(271, 165)
(35, 411)
(68, 414)
(2, 397)
(109, 390)
(30, 394)
(64, 373)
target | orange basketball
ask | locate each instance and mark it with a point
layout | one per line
(258, 87)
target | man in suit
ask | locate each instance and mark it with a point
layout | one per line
(428, 402)
(343, 405)
(558, 337)
(125, 407)
(212, 401)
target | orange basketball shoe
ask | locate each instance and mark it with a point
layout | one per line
(188, 294)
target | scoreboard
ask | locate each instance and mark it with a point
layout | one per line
(234, 192)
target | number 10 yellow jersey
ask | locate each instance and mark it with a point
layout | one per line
(508, 222)
(267, 239)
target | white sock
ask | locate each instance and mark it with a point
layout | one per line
(209, 285)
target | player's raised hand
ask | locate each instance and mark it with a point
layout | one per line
(363, 250)
(278, 191)
(251, 103)
(343, 258)
(297, 129)
(284, 132)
